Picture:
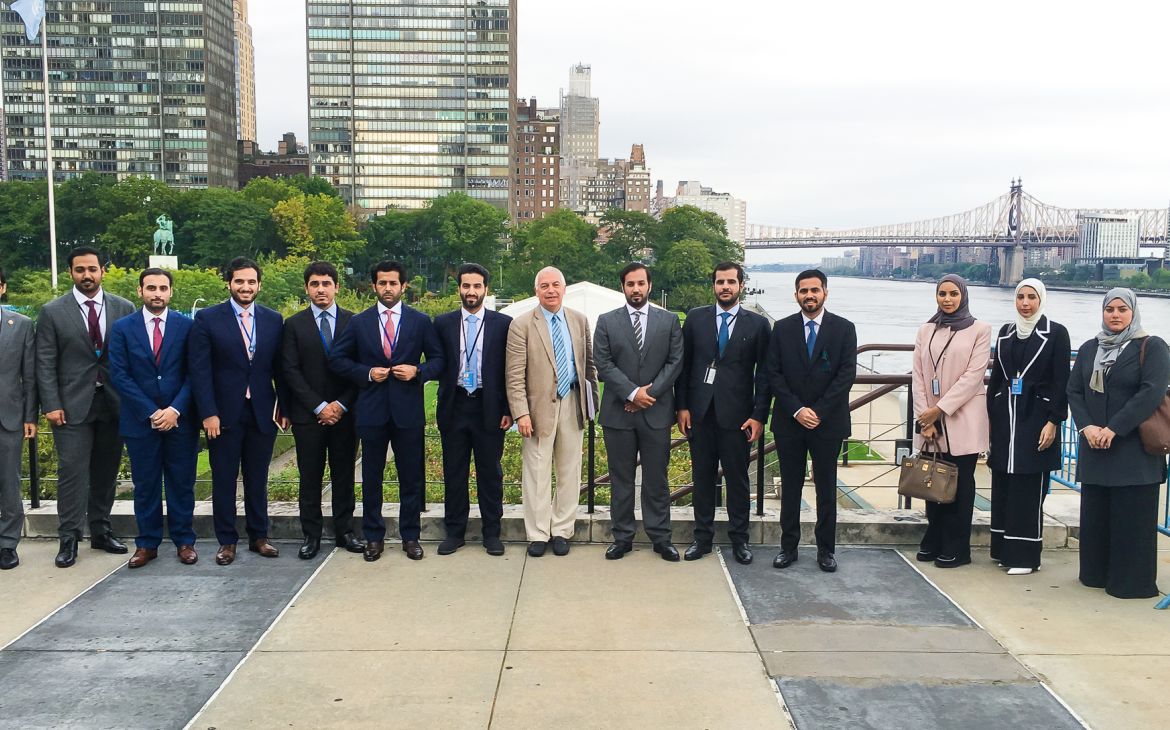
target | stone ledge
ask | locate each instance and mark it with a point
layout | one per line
(854, 527)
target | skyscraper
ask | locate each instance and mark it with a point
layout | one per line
(245, 73)
(133, 91)
(580, 136)
(535, 148)
(410, 101)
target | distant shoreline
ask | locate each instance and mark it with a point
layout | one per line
(1055, 287)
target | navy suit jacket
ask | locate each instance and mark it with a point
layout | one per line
(222, 372)
(359, 348)
(144, 386)
(494, 344)
(820, 382)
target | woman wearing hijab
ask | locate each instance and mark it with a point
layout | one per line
(1110, 392)
(951, 352)
(1026, 403)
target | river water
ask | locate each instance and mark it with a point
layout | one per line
(891, 311)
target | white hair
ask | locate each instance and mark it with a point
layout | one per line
(545, 270)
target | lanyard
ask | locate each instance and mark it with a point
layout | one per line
(719, 322)
(469, 353)
(397, 330)
(250, 336)
(933, 362)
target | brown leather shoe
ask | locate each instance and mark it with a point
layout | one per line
(374, 550)
(226, 554)
(262, 546)
(142, 556)
(187, 554)
(412, 549)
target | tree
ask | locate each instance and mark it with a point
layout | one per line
(561, 239)
(313, 185)
(24, 224)
(686, 262)
(686, 222)
(466, 230)
(223, 225)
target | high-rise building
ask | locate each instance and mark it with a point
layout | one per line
(580, 136)
(732, 210)
(135, 88)
(1108, 236)
(535, 161)
(410, 101)
(637, 181)
(245, 73)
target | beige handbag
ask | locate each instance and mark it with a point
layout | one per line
(929, 478)
(1155, 430)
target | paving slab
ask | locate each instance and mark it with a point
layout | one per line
(842, 637)
(347, 689)
(1110, 692)
(826, 704)
(583, 601)
(636, 689)
(898, 666)
(870, 586)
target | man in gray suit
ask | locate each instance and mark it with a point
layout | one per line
(18, 420)
(77, 399)
(639, 353)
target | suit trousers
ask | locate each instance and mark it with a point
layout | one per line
(623, 447)
(793, 452)
(11, 505)
(247, 447)
(169, 457)
(545, 515)
(712, 447)
(948, 528)
(409, 446)
(1017, 518)
(467, 437)
(1119, 545)
(88, 456)
(315, 445)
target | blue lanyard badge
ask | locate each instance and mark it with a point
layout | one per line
(250, 336)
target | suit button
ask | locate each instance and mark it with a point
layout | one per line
(160, 377)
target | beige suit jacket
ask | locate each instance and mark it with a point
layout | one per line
(531, 373)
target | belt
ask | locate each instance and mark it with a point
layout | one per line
(573, 387)
(473, 395)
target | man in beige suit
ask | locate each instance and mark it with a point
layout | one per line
(552, 392)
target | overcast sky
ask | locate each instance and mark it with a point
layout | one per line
(839, 114)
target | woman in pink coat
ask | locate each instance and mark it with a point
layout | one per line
(951, 352)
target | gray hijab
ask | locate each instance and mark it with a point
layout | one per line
(961, 318)
(1109, 344)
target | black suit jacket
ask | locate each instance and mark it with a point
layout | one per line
(741, 389)
(307, 376)
(821, 382)
(494, 344)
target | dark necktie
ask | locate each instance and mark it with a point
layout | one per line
(638, 329)
(156, 343)
(326, 331)
(95, 334)
(812, 337)
(724, 332)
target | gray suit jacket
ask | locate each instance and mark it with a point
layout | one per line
(67, 366)
(622, 367)
(17, 367)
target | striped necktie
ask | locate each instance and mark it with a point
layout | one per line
(561, 355)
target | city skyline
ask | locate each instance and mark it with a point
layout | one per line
(864, 122)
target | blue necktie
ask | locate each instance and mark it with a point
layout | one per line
(812, 337)
(326, 332)
(724, 332)
(469, 347)
(561, 355)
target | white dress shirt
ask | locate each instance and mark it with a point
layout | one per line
(148, 320)
(734, 312)
(100, 300)
(478, 345)
(644, 315)
(332, 319)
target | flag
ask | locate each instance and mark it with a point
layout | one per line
(32, 12)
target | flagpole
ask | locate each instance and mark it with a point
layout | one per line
(49, 150)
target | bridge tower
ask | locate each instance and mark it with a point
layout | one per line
(1011, 264)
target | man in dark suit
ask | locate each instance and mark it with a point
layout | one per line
(638, 350)
(381, 351)
(234, 357)
(319, 403)
(81, 405)
(812, 361)
(473, 410)
(722, 397)
(148, 366)
(18, 420)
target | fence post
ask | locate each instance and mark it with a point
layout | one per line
(592, 467)
(34, 477)
(909, 429)
(760, 475)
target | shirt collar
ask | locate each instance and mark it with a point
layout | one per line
(819, 319)
(146, 315)
(237, 307)
(331, 311)
(396, 309)
(465, 314)
(644, 310)
(99, 298)
(734, 311)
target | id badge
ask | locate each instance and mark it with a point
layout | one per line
(1017, 386)
(934, 387)
(467, 379)
(709, 376)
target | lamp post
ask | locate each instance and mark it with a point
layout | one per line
(194, 307)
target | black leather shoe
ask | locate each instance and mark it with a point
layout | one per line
(309, 548)
(617, 550)
(450, 545)
(351, 542)
(827, 562)
(742, 554)
(944, 561)
(536, 548)
(784, 559)
(696, 551)
(668, 552)
(106, 541)
(8, 558)
(493, 546)
(560, 546)
(925, 556)
(373, 550)
(67, 556)
(412, 549)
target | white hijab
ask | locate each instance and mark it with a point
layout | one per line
(1025, 325)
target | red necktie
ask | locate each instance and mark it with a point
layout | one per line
(157, 341)
(388, 336)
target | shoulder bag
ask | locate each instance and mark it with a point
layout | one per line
(928, 477)
(1155, 430)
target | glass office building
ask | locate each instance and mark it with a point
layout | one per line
(411, 99)
(135, 88)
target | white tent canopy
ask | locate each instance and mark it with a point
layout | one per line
(584, 296)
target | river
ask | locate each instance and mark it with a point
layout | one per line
(891, 311)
